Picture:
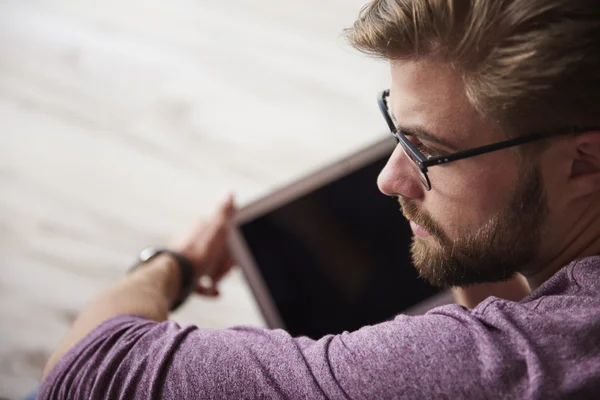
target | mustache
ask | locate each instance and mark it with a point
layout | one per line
(412, 213)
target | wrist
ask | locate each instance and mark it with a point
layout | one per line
(163, 275)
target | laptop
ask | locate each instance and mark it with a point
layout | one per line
(330, 253)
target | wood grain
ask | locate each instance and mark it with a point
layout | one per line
(123, 120)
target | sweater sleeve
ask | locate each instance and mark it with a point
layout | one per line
(128, 357)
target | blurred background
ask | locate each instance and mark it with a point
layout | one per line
(122, 121)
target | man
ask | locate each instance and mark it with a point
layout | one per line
(516, 80)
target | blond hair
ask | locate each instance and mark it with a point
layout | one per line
(529, 64)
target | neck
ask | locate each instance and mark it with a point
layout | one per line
(580, 241)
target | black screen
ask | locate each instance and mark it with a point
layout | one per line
(337, 258)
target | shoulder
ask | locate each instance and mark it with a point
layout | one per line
(586, 273)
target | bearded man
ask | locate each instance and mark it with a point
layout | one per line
(495, 106)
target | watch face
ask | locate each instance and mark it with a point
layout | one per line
(147, 253)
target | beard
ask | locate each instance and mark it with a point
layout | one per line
(495, 252)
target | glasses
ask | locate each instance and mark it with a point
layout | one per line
(422, 162)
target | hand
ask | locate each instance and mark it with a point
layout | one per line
(206, 248)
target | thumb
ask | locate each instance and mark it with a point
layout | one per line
(227, 206)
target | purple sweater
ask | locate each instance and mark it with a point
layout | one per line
(546, 346)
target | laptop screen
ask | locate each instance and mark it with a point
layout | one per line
(338, 258)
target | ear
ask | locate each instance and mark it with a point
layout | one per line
(585, 171)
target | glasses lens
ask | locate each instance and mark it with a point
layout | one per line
(385, 109)
(414, 163)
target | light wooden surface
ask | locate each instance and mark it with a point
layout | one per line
(123, 120)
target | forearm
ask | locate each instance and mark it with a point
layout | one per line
(148, 292)
(514, 289)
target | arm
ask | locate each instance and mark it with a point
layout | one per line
(513, 289)
(110, 353)
(130, 358)
(147, 292)
(150, 290)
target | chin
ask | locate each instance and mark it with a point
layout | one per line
(444, 267)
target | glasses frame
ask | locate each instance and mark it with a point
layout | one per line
(424, 162)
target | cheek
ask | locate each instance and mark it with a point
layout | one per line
(467, 194)
(556, 193)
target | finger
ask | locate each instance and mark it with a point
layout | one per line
(210, 291)
(227, 207)
(186, 241)
(208, 286)
(220, 219)
(224, 212)
(216, 234)
(225, 266)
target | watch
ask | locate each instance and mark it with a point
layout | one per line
(186, 271)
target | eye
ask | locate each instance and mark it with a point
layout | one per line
(427, 151)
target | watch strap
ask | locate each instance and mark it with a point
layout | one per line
(186, 271)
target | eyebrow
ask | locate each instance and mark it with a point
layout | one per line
(422, 133)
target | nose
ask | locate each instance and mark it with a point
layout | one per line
(398, 177)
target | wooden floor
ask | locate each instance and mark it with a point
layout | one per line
(123, 120)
